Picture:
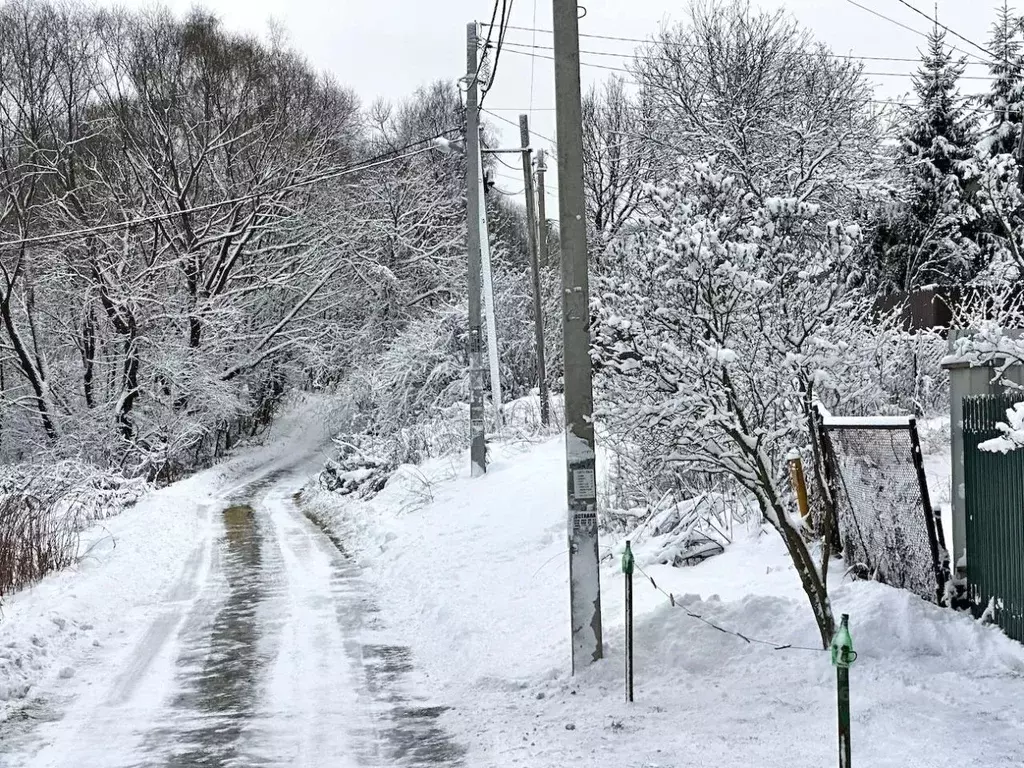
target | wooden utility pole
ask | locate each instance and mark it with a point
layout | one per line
(581, 477)
(532, 237)
(542, 215)
(474, 203)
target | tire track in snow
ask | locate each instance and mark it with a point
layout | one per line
(266, 651)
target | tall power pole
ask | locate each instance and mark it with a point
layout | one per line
(584, 565)
(532, 237)
(542, 215)
(489, 313)
(474, 203)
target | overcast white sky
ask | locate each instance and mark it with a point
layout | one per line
(386, 48)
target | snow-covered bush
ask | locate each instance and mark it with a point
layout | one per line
(357, 470)
(718, 324)
(1012, 430)
(993, 337)
(43, 507)
(81, 492)
(36, 537)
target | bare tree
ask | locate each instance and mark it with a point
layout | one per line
(752, 87)
(618, 156)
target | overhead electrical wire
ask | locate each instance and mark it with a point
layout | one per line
(506, 16)
(910, 29)
(533, 63)
(642, 57)
(623, 70)
(647, 41)
(881, 102)
(366, 165)
(516, 125)
(953, 32)
(500, 191)
(487, 43)
(505, 162)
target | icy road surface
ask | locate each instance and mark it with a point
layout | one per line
(266, 652)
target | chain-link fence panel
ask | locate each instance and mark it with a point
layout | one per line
(886, 523)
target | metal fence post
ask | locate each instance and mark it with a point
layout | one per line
(627, 570)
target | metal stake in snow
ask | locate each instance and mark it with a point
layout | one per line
(584, 571)
(627, 570)
(843, 656)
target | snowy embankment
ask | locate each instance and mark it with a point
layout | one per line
(128, 565)
(473, 575)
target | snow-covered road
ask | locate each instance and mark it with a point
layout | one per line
(266, 650)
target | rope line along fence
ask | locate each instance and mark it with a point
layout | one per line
(840, 650)
(752, 640)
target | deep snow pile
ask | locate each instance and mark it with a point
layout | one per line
(129, 563)
(473, 575)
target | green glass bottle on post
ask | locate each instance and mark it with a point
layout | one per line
(843, 656)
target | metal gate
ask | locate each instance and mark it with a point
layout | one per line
(994, 502)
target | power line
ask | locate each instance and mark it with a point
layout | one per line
(633, 81)
(533, 63)
(846, 56)
(881, 102)
(663, 58)
(506, 16)
(584, 34)
(908, 28)
(582, 63)
(592, 65)
(365, 166)
(625, 71)
(505, 163)
(516, 125)
(487, 43)
(500, 191)
(951, 31)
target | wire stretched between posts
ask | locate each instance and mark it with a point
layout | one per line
(708, 622)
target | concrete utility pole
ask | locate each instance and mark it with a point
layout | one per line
(474, 204)
(492, 323)
(538, 311)
(584, 566)
(542, 216)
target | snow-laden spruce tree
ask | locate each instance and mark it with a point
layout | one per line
(932, 236)
(718, 323)
(1005, 96)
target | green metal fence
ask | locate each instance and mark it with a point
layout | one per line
(994, 496)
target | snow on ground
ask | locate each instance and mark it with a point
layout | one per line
(473, 574)
(128, 565)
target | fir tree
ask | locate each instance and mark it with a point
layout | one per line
(932, 237)
(1004, 99)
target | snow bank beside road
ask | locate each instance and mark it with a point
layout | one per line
(131, 562)
(127, 564)
(473, 574)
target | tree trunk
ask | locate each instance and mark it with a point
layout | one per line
(88, 359)
(129, 386)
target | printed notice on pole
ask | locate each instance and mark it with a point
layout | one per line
(584, 521)
(584, 485)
